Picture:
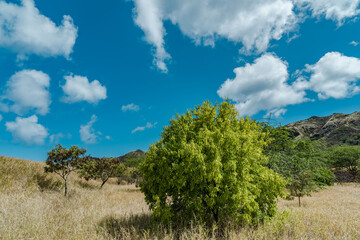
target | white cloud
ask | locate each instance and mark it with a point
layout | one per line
(131, 107)
(262, 86)
(24, 30)
(334, 76)
(78, 88)
(87, 133)
(275, 113)
(1, 117)
(28, 89)
(108, 138)
(55, 138)
(148, 17)
(148, 125)
(27, 130)
(253, 23)
(354, 43)
(337, 10)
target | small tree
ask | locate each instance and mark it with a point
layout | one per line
(63, 161)
(102, 168)
(208, 165)
(301, 183)
(301, 162)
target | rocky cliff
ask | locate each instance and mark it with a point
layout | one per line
(335, 129)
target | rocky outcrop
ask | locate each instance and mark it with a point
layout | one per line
(335, 129)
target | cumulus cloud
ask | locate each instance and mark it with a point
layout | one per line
(78, 88)
(262, 86)
(334, 76)
(130, 107)
(337, 10)
(27, 130)
(87, 132)
(24, 30)
(149, 18)
(27, 90)
(142, 128)
(253, 23)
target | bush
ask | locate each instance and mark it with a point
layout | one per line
(346, 157)
(208, 165)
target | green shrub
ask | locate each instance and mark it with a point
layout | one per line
(208, 165)
(346, 157)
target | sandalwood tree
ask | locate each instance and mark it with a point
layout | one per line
(209, 165)
(102, 168)
(64, 161)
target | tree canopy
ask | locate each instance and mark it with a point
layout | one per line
(209, 165)
(63, 161)
(102, 168)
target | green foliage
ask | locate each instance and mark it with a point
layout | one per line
(323, 176)
(347, 157)
(63, 161)
(134, 161)
(102, 168)
(209, 165)
(131, 175)
(301, 162)
(280, 138)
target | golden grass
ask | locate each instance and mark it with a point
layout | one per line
(30, 211)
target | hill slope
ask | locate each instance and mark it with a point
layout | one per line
(335, 129)
(131, 155)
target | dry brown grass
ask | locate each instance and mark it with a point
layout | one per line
(32, 206)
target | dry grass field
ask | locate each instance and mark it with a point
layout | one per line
(32, 206)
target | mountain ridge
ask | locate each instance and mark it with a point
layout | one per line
(338, 128)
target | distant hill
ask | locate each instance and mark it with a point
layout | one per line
(335, 129)
(131, 159)
(131, 155)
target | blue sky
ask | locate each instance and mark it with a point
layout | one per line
(109, 75)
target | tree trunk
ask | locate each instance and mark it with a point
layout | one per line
(216, 216)
(103, 183)
(65, 188)
(299, 202)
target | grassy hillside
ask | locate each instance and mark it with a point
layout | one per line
(32, 206)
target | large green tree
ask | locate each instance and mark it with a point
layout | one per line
(209, 165)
